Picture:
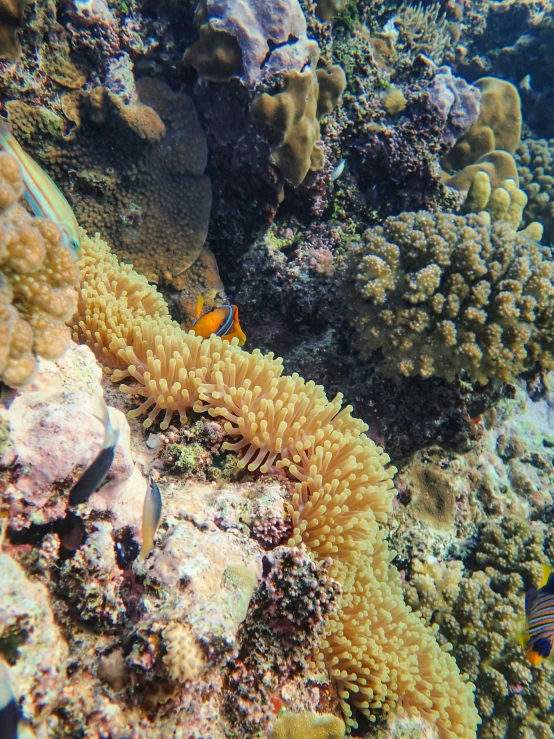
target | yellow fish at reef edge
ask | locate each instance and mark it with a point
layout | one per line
(222, 321)
(42, 194)
(538, 638)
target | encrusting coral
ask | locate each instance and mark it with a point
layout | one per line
(380, 654)
(439, 294)
(38, 275)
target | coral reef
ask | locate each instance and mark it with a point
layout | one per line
(497, 128)
(142, 640)
(443, 294)
(47, 450)
(31, 641)
(286, 420)
(38, 275)
(422, 29)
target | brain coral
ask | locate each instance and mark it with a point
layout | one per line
(380, 654)
(38, 276)
(439, 294)
(134, 172)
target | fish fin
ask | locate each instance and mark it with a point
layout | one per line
(199, 306)
(238, 332)
(546, 571)
(549, 587)
(522, 639)
(530, 598)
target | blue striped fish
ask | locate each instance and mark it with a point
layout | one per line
(42, 194)
(538, 638)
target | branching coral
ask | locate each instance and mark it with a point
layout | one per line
(439, 294)
(513, 697)
(535, 164)
(379, 652)
(37, 279)
(424, 30)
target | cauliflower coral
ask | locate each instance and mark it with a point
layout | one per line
(442, 295)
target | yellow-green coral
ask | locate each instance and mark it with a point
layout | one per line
(380, 654)
(441, 294)
(38, 276)
(308, 725)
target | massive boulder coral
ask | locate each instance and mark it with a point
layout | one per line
(441, 295)
(136, 172)
(481, 161)
(379, 653)
(38, 275)
(497, 128)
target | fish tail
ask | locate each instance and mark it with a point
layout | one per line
(546, 570)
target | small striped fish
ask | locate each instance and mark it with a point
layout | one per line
(42, 194)
(539, 610)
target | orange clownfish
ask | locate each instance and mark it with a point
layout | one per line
(222, 321)
(538, 638)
